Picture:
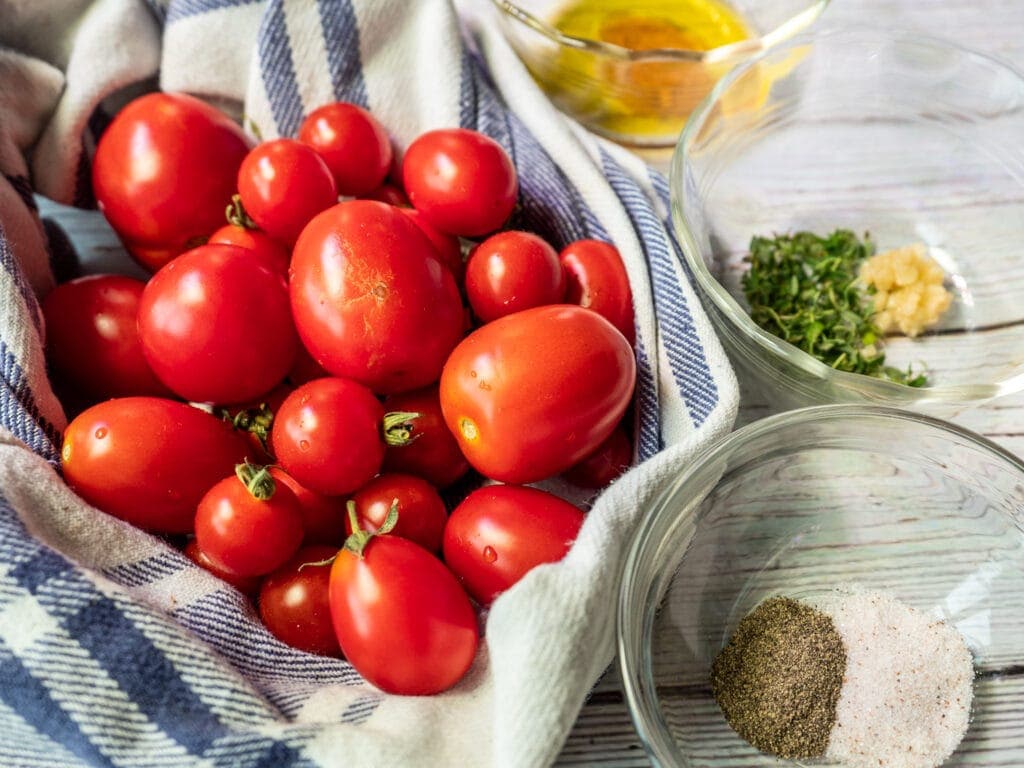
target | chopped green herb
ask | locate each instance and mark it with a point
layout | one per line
(803, 288)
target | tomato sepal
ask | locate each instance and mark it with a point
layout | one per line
(357, 541)
(257, 480)
(398, 428)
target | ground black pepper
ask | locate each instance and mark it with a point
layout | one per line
(778, 679)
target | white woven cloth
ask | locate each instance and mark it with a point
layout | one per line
(114, 649)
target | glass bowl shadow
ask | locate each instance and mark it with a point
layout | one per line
(800, 504)
(909, 139)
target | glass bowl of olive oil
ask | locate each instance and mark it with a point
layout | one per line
(634, 70)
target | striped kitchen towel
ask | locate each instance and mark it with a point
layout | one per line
(114, 649)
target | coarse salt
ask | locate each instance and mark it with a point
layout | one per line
(906, 697)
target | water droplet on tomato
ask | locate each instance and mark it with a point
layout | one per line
(101, 433)
(472, 374)
(303, 445)
(490, 555)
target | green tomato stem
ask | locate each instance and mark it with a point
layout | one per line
(235, 214)
(398, 428)
(357, 541)
(257, 480)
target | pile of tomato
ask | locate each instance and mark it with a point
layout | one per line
(292, 389)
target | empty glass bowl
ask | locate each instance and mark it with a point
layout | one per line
(799, 504)
(910, 139)
(635, 69)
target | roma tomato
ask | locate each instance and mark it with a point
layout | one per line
(448, 247)
(148, 460)
(92, 338)
(247, 585)
(163, 171)
(401, 618)
(598, 281)
(531, 394)
(264, 248)
(512, 271)
(429, 449)
(352, 142)
(421, 510)
(499, 532)
(610, 460)
(294, 605)
(328, 435)
(283, 184)
(248, 525)
(462, 181)
(216, 325)
(371, 299)
(323, 517)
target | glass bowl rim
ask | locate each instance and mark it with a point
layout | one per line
(649, 729)
(886, 391)
(741, 48)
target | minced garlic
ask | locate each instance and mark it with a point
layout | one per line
(909, 295)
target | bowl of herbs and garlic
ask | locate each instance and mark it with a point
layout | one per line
(851, 205)
(837, 585)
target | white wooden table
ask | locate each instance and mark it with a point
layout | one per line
(603, 734)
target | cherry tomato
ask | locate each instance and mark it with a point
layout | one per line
(216, 326)
(294, 605)
(431, 451)
(247, 524)
(92, 338)
(354, 145)
(148, 460)
(598, 281)
(163, 171)
(401, 618)
(327, 435)
(247, 585)
(462, 181)
(421, 511)
(323, 517)
(531, 394)
(512, 271)
(499, 532)
(264, 247)
(371, 299)
(610, 460)
(388, 193)
(448, 247)
(283, 184)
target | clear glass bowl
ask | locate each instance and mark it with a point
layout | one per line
(803, 502)
(638, 97)
(910, 139)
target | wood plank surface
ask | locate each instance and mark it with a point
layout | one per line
(602, 735)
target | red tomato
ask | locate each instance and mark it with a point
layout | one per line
(354, 145)
(264, 247)
(610, 460)
(294, 606)
(163, 171)
(388, 193)
(598, 281)
(448, 247)
(92, 338)
(421, 511)
(148, 460)
(327, 435)
(371, 300)
(323, 517)
(247, 585)
(499, 532)
(461, 180)
(216, 325)
(247, 524)
(512, 271)
(431, 451)
(401, 618)
(531, 394)
(283, 184)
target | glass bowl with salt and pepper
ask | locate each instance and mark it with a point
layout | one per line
(633, 70)
(851, 205)
(837, 585)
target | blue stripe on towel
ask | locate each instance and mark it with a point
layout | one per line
(341, 39)
(278, 70)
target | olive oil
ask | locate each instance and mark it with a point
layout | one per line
(643, 100)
